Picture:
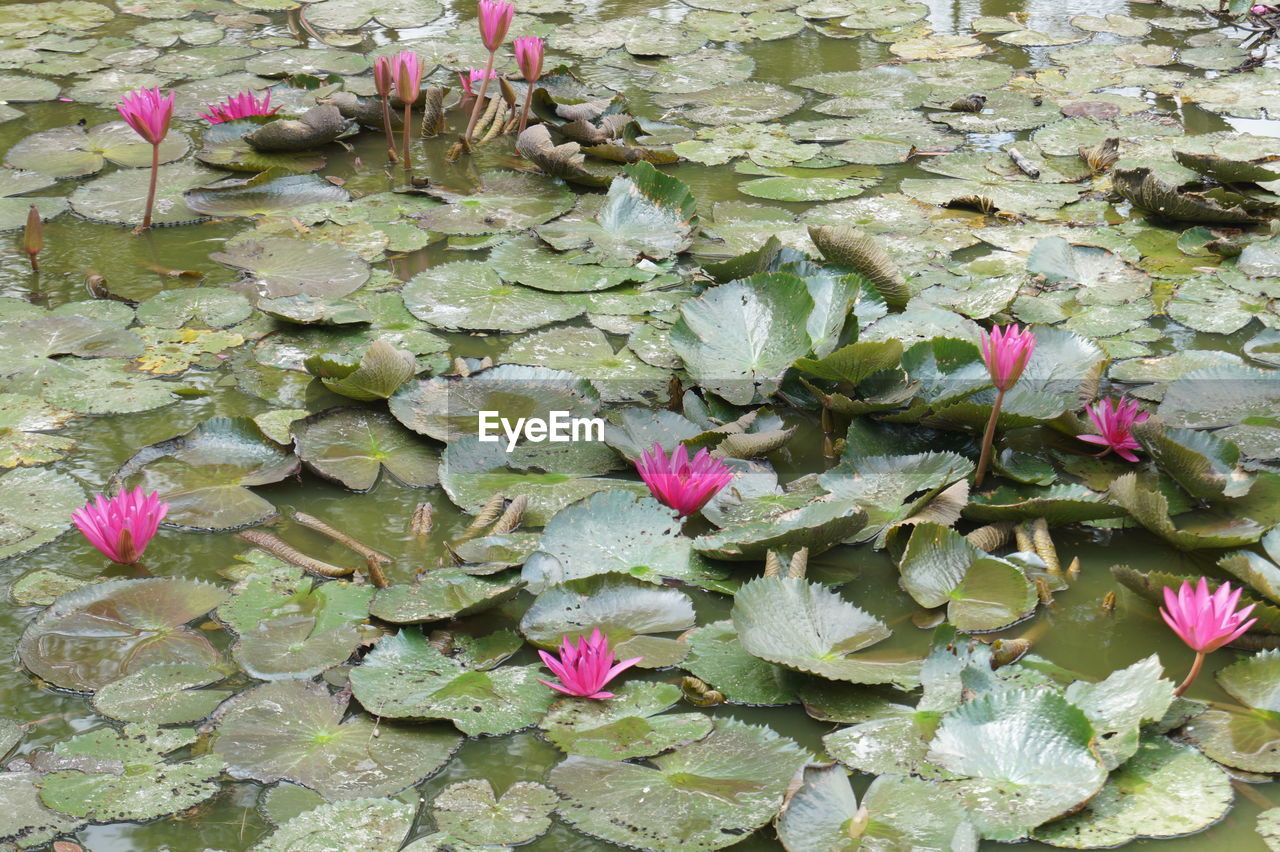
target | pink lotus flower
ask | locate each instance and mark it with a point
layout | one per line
(242, 105)
(495, 18)
(1006, 352)
(680, 483)
(148, 113)
(1114, 422)
(1204, 621)
(472, 77)
(122, 526)
(406, 71)
(585, 667)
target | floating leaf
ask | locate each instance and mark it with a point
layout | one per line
(371, 825)
(353, 446)
(293, 730)
(717, 657)
(631, 724)
(445, 593)
(35, 506)
(102, 632)
(121, 197)
(468, 294)
(271, 191)
(162, 694)
(76, 151)
(469, 811)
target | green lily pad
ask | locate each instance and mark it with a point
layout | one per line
(76, 151)
(106, 387)
(121, 197)
(443, 594)
(1166, 789)
(610, 532)
(223, 145)
(353, 446)
(90, 637)
(626, 611)
(205, 474)
(505, 201)
(808, 627)
(1120, 704)
(405, 677)
(631, 724)
(1011, 785)
(162, 694)
(718, 658)
(471, 812)
(35, 508)
(526, 261)
(587, 352)
(272, 191)
(151, 787)
(24, 819)
(204, 307)
(705, 795)
(371, 825)
(293, 730)
(468, 294)
(817, 523)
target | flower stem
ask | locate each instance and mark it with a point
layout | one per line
(392, 157)
(408, 112)
(475, 110)
(151, 189)
(988, 438)
(1191, 675)
(524, 112)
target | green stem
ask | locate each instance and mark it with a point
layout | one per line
(1191, 675)
(475, 110)
(524, 112)
(151, 190)
(408, 165)
(386, 128)
(988, 438)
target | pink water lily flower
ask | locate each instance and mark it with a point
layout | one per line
(472, 77)
(684, 484)
(495, 19)
(1114, 423)
(1204, 621)
(1006, 351)
(148, 112)
(529, 50)
(242, 105)
(122, 526)
(585, 667)
(406, 72)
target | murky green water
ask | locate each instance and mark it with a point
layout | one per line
(1074, 632)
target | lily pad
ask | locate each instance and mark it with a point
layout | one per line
(505, 201)
(353, 446)
(35, 506)
(293, 730)
(468, 294)
(76, 151)
(162, 694)
(632, 724)
(90, 637)
(271, 191)
(718, 658)
(371, 825)
(471, 812)
(445, 593)
(701, 796)
(120, 197)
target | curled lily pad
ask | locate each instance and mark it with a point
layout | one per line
(718, 658)
(1148, 192)
(443, 594)
(353, 446)
(405, 677)
(818, 523)
(294, 730)
(224, 145)
(102, 632)
(629, 613)
(705, 795)
(205, 474)
(808, 627)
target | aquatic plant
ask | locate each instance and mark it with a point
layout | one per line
(585, 667)
(1006, 352)
(1204, 621)
(682, 483)
(121, 526)
(383, 83)
(495, 18)
(406, 71)
(472, 77)
(529, 50)
(243, 105)
(1114, 421)
(149, 113)
(33, 237)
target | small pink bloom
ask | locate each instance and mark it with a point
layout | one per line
(1259, 10)
(148, 113)
(1113, 422)
(475, 75)
(383, 76)
(1205, 621)
(585, 667)
(242, 105)
(122, 526)
(683, 484)
(495, 18)
(406, 71)
(1006, 352)
(529, 50)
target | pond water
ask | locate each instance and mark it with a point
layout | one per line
(1133, 289)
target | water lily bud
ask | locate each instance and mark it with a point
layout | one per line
(33, 237)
